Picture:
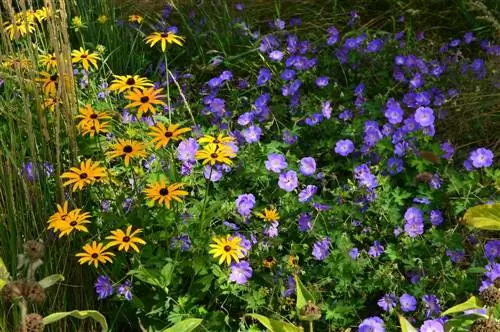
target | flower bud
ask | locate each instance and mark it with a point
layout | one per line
(33, 249)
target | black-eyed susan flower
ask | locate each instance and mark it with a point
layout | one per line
(164, 38)
(125, 240)
(60, 215)
(270, 215)
(162, 135)
(49, 103)
(293, 261)
(227, 248)
(213, 153)
(220, 139)
(127, 149)
(48, 61)
(77, 23)
(162, 193)
(129, 82)
(94, 128)
(49, 83)
(89, 116)
(75, 220)
(88, 173)
(42, 14)
(269, 262)
(145, 100)
(85, 58)
(20, 28)
(95, 253)
(135, 19)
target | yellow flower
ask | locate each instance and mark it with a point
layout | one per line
(126, 239)
(213, 153)
(50, 82)
(49, 103)
(135, 19)
(88, 115)
(293, 261)
(161, 135)
(88, 173)
(49, 61)
(129, 82)
(220, 139)
(59, 216)
(128, 149)
(269, 262)
(227, 248)
(164, 38)
(270, 215)
(20, 28)
(77, 23)
(163, 194)
(73, 221)
(102, 19)
(93, 128)
(42, 14)
(85, 58)
(95, 253)
(145, 100)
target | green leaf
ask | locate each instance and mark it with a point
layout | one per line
(303, 295)
(51, 280)
(462, 323)
(472, 303)
(405, 325)
(4, 274)
(275, 325)
(95, 315)
(486, 216)
(187, 325)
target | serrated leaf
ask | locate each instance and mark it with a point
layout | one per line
(51, 280)
(95, 315)
(303, 295)
(405, 325)
(486, 216)
(274, 325)
(4, 274)
(186, 325)
(472, 303)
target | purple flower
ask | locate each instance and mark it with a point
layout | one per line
(424, 116)
(29, 171)
(307, 166)
(432, 326)
(374, 46)
(436, 217)
(492, 250)
(307, 193)
(271, 230)
(376, 250)
(387, 302)
(469, 37)
(363, 175)
(408, 303)
(435, 181)
(448, 150)
(305, 220)
(344, 147)
(264, 76)
(393, 111)
(213, 174)
(288, 181)
(414, 224)
(105, 205)
(127, 204)
(183, 241)
(276, 162)
(397, 231)
(287, 75)
(240, 272)
(239, 7)
(372, 324)
(245, 203)
(187, 149)
(245, 118)
(345, 115)
(431, 304)
(321, 249)
(103, 287)
(276, 55)
(289, 137)
(354, 253)
(456, 256)
(252, 134)
(481, 158)
(125, 290)
(326, 109)
(394, 165)
(322, 81)
(291, 287)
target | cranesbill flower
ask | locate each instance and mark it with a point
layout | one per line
(376, 250)
(456, 256)
(424, 116)
(326, 109)
(387, 302)
(252, 134)
(432, 326)
(287, 75)
(414, 224)
(354, 253)
(448, 150)
(344, 147)
(435, 181)
(240, 272)
(322, 81)
(291, 287)
(103, 287)
(372, 324)
(394, 165)
(307, 193)
(211, 173)
(244, 204)
(492, 250)
(436, 217)
(288, 181)
(276, 162)
(305, 220)
(289, 137)
(408, 303)
(481, 158)
(271, 230)
(276, 55)
(264, 76)
(307, 166)
(187, 149)
(125, 290)
(432, 305)
(321, 249)
(393, 111)
(374, 45)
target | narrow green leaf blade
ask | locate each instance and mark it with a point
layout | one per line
(4, 274)
(472, 303)
(51, 280)
(95, 315)
(186, 325)
(275, 325)
(405, 325)
(486, 216)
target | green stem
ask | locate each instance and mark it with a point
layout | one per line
(168, 88)
(311, 327)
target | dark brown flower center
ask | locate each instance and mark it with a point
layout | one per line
(63, 217)
(130, 81)
(169, 134)
(126, 239)
(127, 149)
(73, 223)
(164, 191)
(94, 255)
(53, 58)
(214, 155)
(144, 99)
(53, 78)
(83, 56)
(227, 248)
(83, 176)
(270, 259)
(93, 116)
(164, 35)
